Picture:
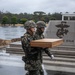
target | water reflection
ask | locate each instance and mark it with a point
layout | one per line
(11, 32)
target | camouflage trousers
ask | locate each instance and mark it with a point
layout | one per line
(36, 72)
(34, 68)
(33, 72)
(41, 71)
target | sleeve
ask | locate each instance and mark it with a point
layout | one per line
(47, 52)
(24, 42)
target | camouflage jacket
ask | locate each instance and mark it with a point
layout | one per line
(32, 54)
(46, 50)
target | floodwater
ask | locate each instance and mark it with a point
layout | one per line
(11, 32)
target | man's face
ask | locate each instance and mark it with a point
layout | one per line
(33, 29)
(42, 29)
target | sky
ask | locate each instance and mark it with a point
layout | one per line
(30, 6)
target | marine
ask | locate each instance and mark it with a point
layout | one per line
(41, 25)
(31, 58)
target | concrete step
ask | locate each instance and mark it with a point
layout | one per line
(57, 53)
(60, 70)
(65, 48)
(14, 49)
(3, 47)
(18, 44)
(15, 44)
(15, 60)
(15, 52)
(64, 56)
(59, 59)
(63, 52)
(59, 63)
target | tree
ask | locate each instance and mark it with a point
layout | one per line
(23, 20)
(46, 18)
(58, 16)
(4, 20)
(52, 18)
(38, 15)
(14, 20)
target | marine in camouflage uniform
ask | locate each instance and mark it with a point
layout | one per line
(31, 58)
(39, 33)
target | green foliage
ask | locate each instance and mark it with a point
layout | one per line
(14, 20)
(39, 15)
(4, 20)
(11, 18)
(58, 16)
(52, 18)
(23, 20)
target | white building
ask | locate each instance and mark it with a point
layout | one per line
(69, 15)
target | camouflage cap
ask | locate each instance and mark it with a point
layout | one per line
(41, 24)
(29, 24)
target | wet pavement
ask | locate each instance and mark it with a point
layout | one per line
(11, 65)
(11, 70)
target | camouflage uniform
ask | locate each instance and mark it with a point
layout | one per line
(39, 34)
(31, 59)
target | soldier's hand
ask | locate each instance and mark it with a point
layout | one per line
(52, 56)
(23, 58)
